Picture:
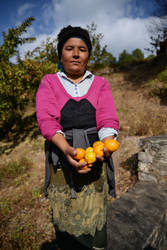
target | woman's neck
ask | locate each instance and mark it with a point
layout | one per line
(75, 78)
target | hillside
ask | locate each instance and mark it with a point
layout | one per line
(24, 214)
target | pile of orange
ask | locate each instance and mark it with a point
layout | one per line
(89, 154)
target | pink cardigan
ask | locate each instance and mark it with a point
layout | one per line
(51, 97)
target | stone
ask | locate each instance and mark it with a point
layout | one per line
(138, 219)
(144, 157)
(147, 177)
(152, 159)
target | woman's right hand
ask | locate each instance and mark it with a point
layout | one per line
(70, 152)
(59, 140)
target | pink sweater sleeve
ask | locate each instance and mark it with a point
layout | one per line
(47, 110)
(106, 116)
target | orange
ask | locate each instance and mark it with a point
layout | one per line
(112, 145)
(83, 160)
(96, 143)
(99, 150)
(88, 149)
(80, 154)
(90, 157)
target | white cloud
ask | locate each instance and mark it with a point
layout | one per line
(126, 33)
(25, 7)
(114, 20)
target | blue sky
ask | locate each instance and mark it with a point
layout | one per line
(122, 22)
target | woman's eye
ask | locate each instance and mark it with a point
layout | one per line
(83, 49)
(68, 48)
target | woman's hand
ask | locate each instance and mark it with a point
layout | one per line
(107, 153)
(59, 140)
(70, 152)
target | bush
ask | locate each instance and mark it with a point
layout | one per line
(163, 78)
(126, 58)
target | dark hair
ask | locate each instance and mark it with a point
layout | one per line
(69, 32)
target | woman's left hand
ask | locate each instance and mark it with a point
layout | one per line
(107, 153)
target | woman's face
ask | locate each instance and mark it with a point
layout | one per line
(74, 57)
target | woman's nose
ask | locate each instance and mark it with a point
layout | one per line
(76, 52)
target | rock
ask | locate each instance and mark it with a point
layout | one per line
(152, 165)
(138, 219)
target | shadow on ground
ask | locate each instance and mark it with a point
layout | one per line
(143, 72)
(26, 127)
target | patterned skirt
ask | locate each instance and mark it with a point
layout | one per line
(81, 221)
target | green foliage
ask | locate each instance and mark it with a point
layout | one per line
(163, 78)
(137, 55)
(19, 82)
(36, 192)
(126, 58)
(13, 39)
(13, 78)
(46, 52)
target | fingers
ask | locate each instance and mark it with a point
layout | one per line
(79, 166)
(100, 158)
(84, 171)
(107, 153)
(72, 161)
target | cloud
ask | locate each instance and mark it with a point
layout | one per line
(64, 11)
(24, 8)
(114, 19)
(126, 33)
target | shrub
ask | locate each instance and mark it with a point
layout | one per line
(163, 78)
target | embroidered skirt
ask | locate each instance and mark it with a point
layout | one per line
(82, 220)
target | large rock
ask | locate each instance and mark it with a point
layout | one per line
(138, 219)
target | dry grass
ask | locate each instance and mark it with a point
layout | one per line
(138, 111)
(24, 214)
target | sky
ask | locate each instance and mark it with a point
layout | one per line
(123, 23)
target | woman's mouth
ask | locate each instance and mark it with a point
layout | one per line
(75, 62)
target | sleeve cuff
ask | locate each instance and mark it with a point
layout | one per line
(61, 132)
(104, 132)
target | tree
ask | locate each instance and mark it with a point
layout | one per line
(14, 81)
(158, 26)
(13, 38)
(137, 55)
(100, 57)
(46, 52)
(19, 82)
(124, 59)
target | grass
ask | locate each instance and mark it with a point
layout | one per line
(14, 168)
(136, 108)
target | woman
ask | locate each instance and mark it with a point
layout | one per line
(74, 109)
